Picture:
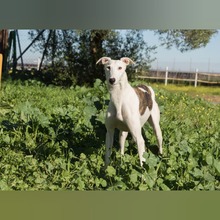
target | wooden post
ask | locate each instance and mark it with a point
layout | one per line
(196, 78)
(4, 48)
(14, 53)
(1, 64)
(166, 75)
(38, 63)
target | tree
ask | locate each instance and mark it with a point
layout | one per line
(185, 40)
(87, 49)
(131, 44)
(79, 50)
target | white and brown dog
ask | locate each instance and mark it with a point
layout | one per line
(129, 108)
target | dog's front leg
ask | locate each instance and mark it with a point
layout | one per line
(108, 143)
(141, 146)
(135, 129)
(122, 137)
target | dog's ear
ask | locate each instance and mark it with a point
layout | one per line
(127, 60)
(104, 60)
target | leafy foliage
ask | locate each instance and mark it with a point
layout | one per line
(53, 139)
(185, 40)
(73, 53)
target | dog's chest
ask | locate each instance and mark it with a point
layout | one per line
(134, 99)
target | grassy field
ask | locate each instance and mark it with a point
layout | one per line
(199, 90)
(53, 139)
(211, 94)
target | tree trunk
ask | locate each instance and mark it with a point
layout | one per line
(96, 50)
(3, 46)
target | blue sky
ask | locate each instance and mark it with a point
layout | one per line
(204, 59)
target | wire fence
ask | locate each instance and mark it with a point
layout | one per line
(30, 56)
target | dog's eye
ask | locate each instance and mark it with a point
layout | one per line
(119, 67)
(108, 67)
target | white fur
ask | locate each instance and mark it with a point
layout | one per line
(123, 110)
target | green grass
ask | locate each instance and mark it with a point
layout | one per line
(54, 139)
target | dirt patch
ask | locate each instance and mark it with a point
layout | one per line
(212, 98)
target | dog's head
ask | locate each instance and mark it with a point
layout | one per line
(114, 69)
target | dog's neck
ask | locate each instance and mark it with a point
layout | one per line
(117, 92)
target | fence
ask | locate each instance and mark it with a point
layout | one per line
(208, 65)
(21, 53)
(191, 77)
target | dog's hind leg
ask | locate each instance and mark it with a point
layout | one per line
(154, 121)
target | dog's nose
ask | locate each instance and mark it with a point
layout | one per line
(112, 80)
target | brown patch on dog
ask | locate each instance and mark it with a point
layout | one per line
(145, 99)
